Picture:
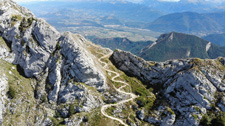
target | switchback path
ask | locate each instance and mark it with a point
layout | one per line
(132, 96)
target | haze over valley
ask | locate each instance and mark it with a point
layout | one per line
(135, 20)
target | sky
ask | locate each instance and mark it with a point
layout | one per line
(27, 0)
(134, 1)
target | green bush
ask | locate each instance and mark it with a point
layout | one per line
(142, 91)
(71, 110)
(44, 98)
(195, 116)
(12, 92)
(213, 119)
(219, 120)
(206, 120)
(146, 102)
(171, 111)
(57, 114)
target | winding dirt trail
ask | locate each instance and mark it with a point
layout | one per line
(132, 96)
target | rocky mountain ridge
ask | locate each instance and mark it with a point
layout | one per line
(176, 45)
(60, 63)
(51, 78)
(192, 88)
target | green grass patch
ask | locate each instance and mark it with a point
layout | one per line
(170, 111)
(195, 116)
(14, 19)
(19, 88)
(146, 98)
(212, 118)
(4, 44)
(72, 109)
(12, 92)
(110, 110)
(57, 121)
(95, 118)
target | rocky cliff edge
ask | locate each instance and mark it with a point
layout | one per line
(192, 88)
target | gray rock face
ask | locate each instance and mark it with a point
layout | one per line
(149, 72)
(141, 114)
(55, 81)
(5, 53)
(222, 104)
(58, 60)
(163, 116)
(72, 61)
(78, 62)
(80, 96)
(46, 35)
(189, 86)
(41, 41)
(75, 121)
(32, 40)
(3, 89)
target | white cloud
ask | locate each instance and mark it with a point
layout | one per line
(135, 1)
(169, 0)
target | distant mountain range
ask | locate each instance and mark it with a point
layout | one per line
(158, 16)
(190, 22)
(172, 45)
(218, 39)
(185, 5)
(121, 43)
(107, 19)
(178, 45)
(125, 11)
(97, 18)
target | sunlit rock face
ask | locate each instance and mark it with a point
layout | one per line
(190, 86)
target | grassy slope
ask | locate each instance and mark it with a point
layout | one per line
(21, 106)
(146, 97)
(23, 102)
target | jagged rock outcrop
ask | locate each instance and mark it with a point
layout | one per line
(79, 61)
(57, 61)
(72, 61)
(32, 40)
(5, 52)
(191, 87)
(149, 72)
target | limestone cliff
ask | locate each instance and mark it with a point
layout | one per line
(192, 88)
(62, 65)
